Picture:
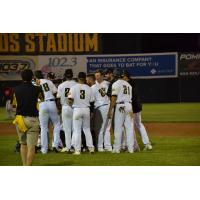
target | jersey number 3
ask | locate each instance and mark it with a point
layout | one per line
(82, 94)
(45, 87)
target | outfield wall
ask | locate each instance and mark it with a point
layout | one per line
(161, 77)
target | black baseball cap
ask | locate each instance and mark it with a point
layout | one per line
(38, 74)
(117, 73)
(51, 75)
(126, 73)
(68, 73)
(108, 71)
(82, 75)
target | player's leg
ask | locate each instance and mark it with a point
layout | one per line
(129, 127)
(44, 119)
(123, 144)
(77, 126)
(118, 126)
(55, 119)
(141, 129)
(99, 129)
(106, 125)
(67, 114)
(86, 129)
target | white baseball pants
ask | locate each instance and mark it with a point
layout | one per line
(123, 118)
(141, 129)
(48, 111)
(67, 114)
(102, 127)
(81, 120)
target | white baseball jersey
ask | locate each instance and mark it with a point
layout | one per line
(63, 91)
(82, 95)
(123, 90)
(48, 88)
(100, 93)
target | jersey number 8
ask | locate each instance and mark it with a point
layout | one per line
(45, 87)
(82, 94)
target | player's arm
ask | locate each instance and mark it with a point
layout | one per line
(112, 105)
(112, 101)
(58, 97)
(40, 93)
(70, 97)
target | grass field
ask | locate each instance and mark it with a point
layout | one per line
(168, 112)
(167, 150)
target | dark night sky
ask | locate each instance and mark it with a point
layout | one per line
(146, 42)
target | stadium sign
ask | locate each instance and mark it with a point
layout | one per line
(49, 43)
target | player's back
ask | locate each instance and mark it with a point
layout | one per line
(123, 90)
(82, 95)
(48, 88)
(100, 93)
(63, 90)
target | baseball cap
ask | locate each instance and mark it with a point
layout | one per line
(51, 75)
(38, 74)
(126, 73)
(68, 73)
(82, 75)
(108, 71)
(117, 73)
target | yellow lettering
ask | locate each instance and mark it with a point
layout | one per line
(78, 42)
(29, 39)
(51, 44)
(41, 41)
(14, 42)
(4, 42)
(62, 42)
(91, 43)
(70, 43)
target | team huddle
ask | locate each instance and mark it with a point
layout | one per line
(88, 109)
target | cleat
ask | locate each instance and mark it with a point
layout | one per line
(91, 149)
(56, 150)
(77, 152)
(101, 150)
(108, 150)
(115, 151)
(147, 147)
(64, 150)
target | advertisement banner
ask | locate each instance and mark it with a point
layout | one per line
(189, 64)
(158, 65)
(58, 64)
(11, 66)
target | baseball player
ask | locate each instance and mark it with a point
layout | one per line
(67, 111)
(79, 97)
(48, 111)
(122, 98)
(137, 108)
(102, 103)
